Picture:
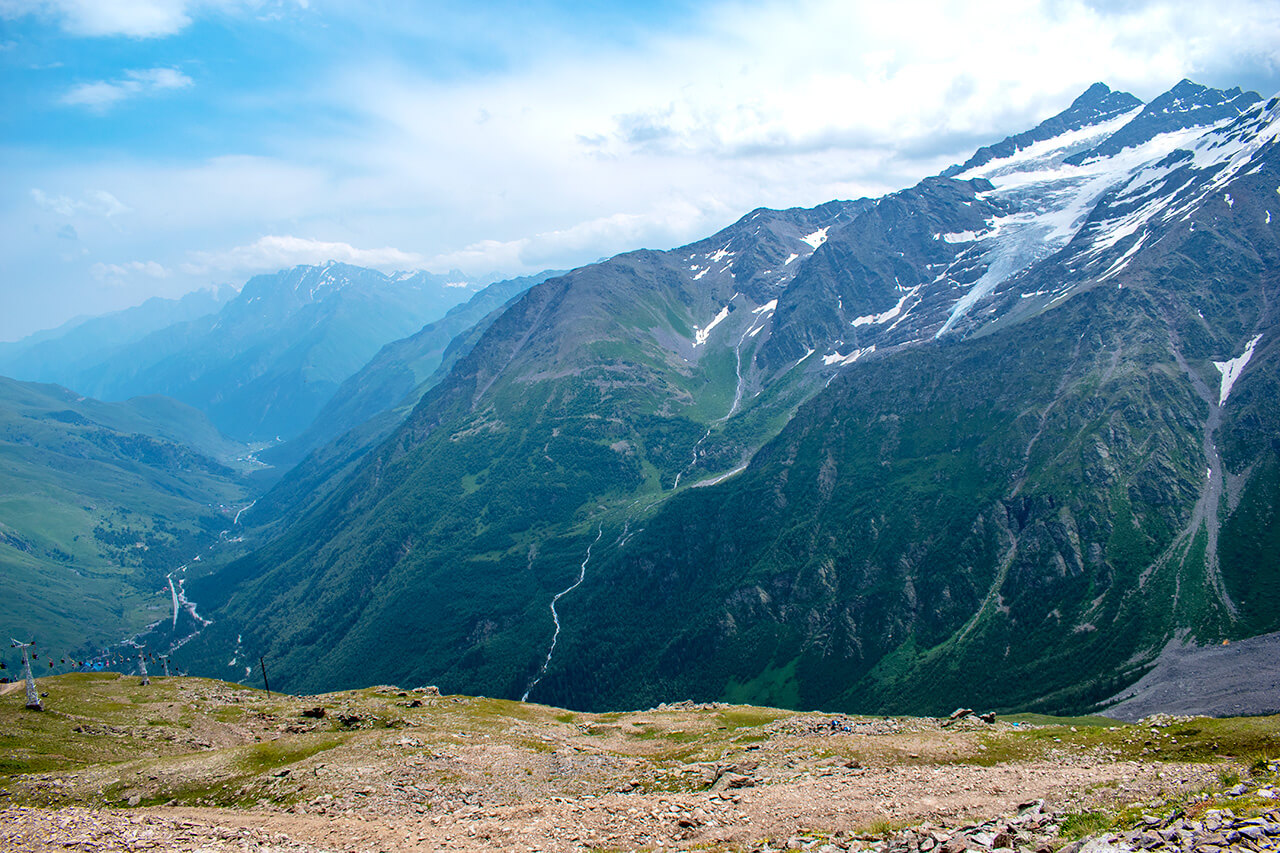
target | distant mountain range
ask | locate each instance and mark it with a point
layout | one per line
(393, 381)
(993, 439)
(262, 364)
(57, 354)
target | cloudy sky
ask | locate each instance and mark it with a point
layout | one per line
(151, 147)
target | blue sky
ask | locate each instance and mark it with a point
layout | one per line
(151, 147)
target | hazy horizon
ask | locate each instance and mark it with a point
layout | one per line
(155, 147)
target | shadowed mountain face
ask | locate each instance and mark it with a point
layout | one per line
(402, 371)
(1008, 431)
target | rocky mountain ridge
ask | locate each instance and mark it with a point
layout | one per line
(978, 416)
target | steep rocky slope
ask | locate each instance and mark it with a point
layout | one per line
(1014, 427)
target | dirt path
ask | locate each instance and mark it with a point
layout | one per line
(385, 797)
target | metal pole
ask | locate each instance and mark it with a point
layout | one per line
(262, 663)
(142, 668)
(33, 697)
(164, 659)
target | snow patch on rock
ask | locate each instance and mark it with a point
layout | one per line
(1232, 369)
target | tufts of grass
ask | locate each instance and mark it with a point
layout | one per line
(746, 717)
(1260, 764)
(1248, 739)
(261, 757)
(679, 736)
(536, 745)
(1045, 720)
(884, 827)
(1081, 824)
(234, 779)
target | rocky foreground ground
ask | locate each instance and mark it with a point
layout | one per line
(196, 765)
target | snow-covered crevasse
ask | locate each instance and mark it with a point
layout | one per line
(1050, 200)
(891, 314)
(762, 315)
(1232, 369)
(555, 617)
(842, 359)
(816, 239)
(700, 335)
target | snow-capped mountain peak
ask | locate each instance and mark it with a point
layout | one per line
(1020, 227)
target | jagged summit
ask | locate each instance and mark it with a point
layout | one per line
(1097, 104)
(1188, 106)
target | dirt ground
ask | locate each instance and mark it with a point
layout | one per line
(207, 767)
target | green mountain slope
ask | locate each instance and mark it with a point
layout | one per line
(1022, 519)
(97, 502)
(401, 372)
(594, 389)
(970, 443)
(1012, 524)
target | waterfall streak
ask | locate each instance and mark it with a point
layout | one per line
(756, 325)
(173, 591)
(555, 617)
(236, 521)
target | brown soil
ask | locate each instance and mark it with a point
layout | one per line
(226, 769)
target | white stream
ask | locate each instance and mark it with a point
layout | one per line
(235, 522)
(764, 312)
(555, 617)
(178, 596)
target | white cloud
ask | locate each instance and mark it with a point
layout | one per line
(761, 79)
(551, 147)
(746, 104)
(101, 95)
(553, 248)
(93, 203)
(122, 273)
(136, 18)
(274, 252)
